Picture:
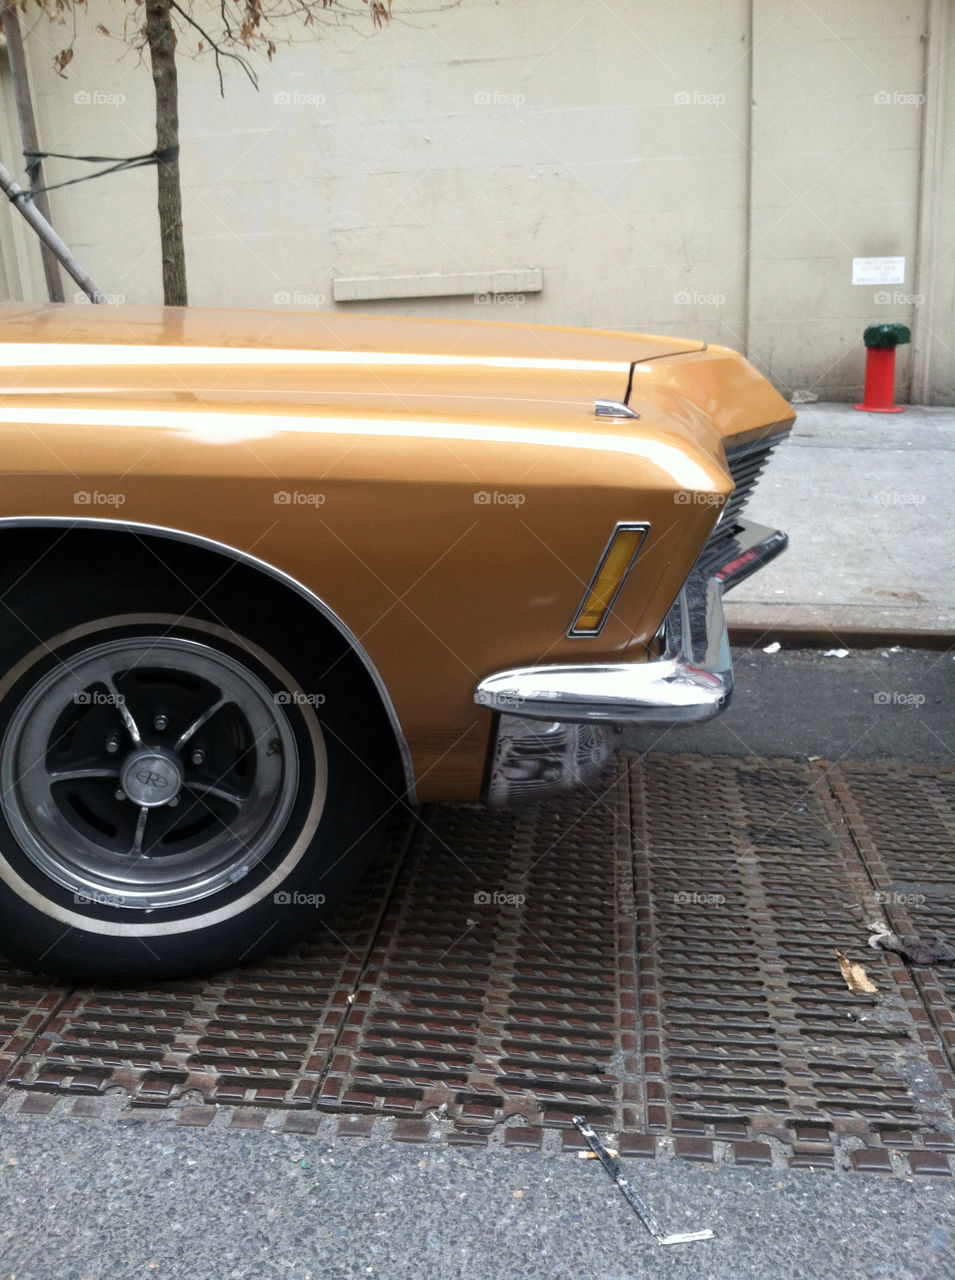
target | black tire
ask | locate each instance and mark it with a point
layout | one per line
(263, 829)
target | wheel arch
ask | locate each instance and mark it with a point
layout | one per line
(28, 531)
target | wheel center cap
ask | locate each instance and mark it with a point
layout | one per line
(151, 778)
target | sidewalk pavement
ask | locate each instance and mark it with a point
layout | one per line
(141, 1198)
(867, 501)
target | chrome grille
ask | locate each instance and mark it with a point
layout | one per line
(746, 463)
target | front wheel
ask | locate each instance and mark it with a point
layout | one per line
(169, 801)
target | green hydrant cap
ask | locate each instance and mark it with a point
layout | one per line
(887, 335)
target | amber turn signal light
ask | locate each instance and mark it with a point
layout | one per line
(611, 573)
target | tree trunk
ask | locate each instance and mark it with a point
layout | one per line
(162, 51)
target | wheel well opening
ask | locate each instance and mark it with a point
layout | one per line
(223, 589)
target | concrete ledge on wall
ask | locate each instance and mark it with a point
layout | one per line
(436, 284)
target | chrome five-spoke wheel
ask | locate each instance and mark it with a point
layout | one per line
(148, 772)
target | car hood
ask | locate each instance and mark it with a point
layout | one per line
(294, 353)
(231, 374)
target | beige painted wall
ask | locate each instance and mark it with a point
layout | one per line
(707, 168)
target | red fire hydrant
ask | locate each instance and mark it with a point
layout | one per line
(880, 343)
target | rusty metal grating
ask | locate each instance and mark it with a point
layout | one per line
(27, 1003)
(746, 883)
(657, 954)
(503, 976)
(904, 829)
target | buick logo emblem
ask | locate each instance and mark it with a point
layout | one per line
(149, 778)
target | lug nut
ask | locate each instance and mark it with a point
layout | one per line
(172, 802)
(120, 794)
(198, 756)
(160, 722)
(112, 744)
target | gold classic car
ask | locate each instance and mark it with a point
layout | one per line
(264, 576)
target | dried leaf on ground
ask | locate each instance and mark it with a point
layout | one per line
(857, 979)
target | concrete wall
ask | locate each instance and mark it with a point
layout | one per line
(707, 168)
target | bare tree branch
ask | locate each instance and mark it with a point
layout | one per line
(217, 50)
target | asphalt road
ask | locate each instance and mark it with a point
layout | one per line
(873, 704)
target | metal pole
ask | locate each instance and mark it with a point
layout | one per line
(28, 133)
(24, 205)
(931, 281)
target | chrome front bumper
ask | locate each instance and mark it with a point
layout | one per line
(551, 719)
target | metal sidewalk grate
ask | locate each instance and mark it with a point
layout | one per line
(503, 974)
(657, 954)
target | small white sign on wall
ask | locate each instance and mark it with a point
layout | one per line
(878, 271)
